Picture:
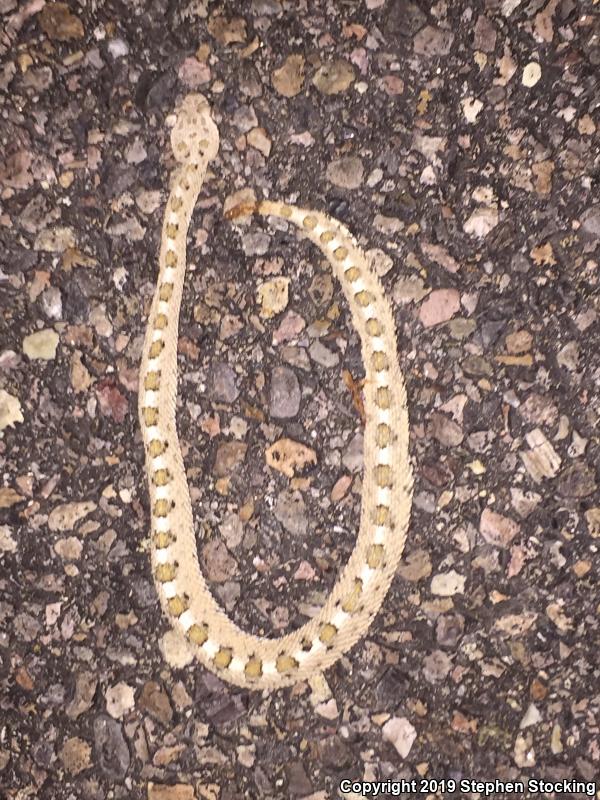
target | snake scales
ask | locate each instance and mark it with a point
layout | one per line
(239, 657)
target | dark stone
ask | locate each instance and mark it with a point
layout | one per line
(262, 782)
(578, 480)
(218, 701)
(153, 92)
(298, 781)
(144, 593)
(16, 259)
(590, 221)
(438, 474)
(43, 753)
(449, 629)
(110, 747)
(403, 18)
(285, 393)
(475, 366)
(75, 303)
(333, 753)
(490, 333)
(223, 388)
(393, 686)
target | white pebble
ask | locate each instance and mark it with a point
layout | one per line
(471, 107)
(531, 74)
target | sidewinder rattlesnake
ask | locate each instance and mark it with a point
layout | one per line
(219, 644)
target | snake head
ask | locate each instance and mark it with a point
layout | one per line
(194, 136)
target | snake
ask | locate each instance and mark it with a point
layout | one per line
(216, 641)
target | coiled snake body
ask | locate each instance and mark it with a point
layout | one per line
(219, 644)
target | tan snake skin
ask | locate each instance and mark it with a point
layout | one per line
(220, 645)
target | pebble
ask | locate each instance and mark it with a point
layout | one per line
(515, 624)
(440, 306)
(288, 457)
(155, 701)
(320, 290)
(471, 107)
(449, 629)
(439, 254)
(298, 782)
(447, 584)
(227, 30)
(26, 627)
(392, 85)
(519, 342)
(445, 430)
(65, 516)
(176, 791)
(217, 562)
(11, 412)
(193, 73)
(578, 480)
(118, 47)
(258, 139)
(568, 356)
(290, 511)
(175, 650)
(524, 754)
(41, 345)
(436, 666)
(100, 322)
(246, 755)
(255, 243)
(400, 732)
(524, 503)
(482, 221)
(59, 23)
(484, 38)
(379, 261)
(244, 118)
(69, 548)
(531, 717)
(411, 289)
(415, 566)
(538, 409)
(85, 689)
(431, 41)
(136, 152)
(290, 327)
(333, 753)
(497, 529)
(148, 201)
(119, 699)
(75, 755)
(346, 173)
(592, 518)
(7, 542)
(531, 74)
(230, 456)
(112, 753)
(289, 78)
(590, 221)
(223, 384)
(285, 395)
(273, 297)
(334, 77)
(352, 458)
(322, 355)
(556, 745)
(51, 301)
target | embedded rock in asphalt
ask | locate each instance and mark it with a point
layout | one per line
(284, 401)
